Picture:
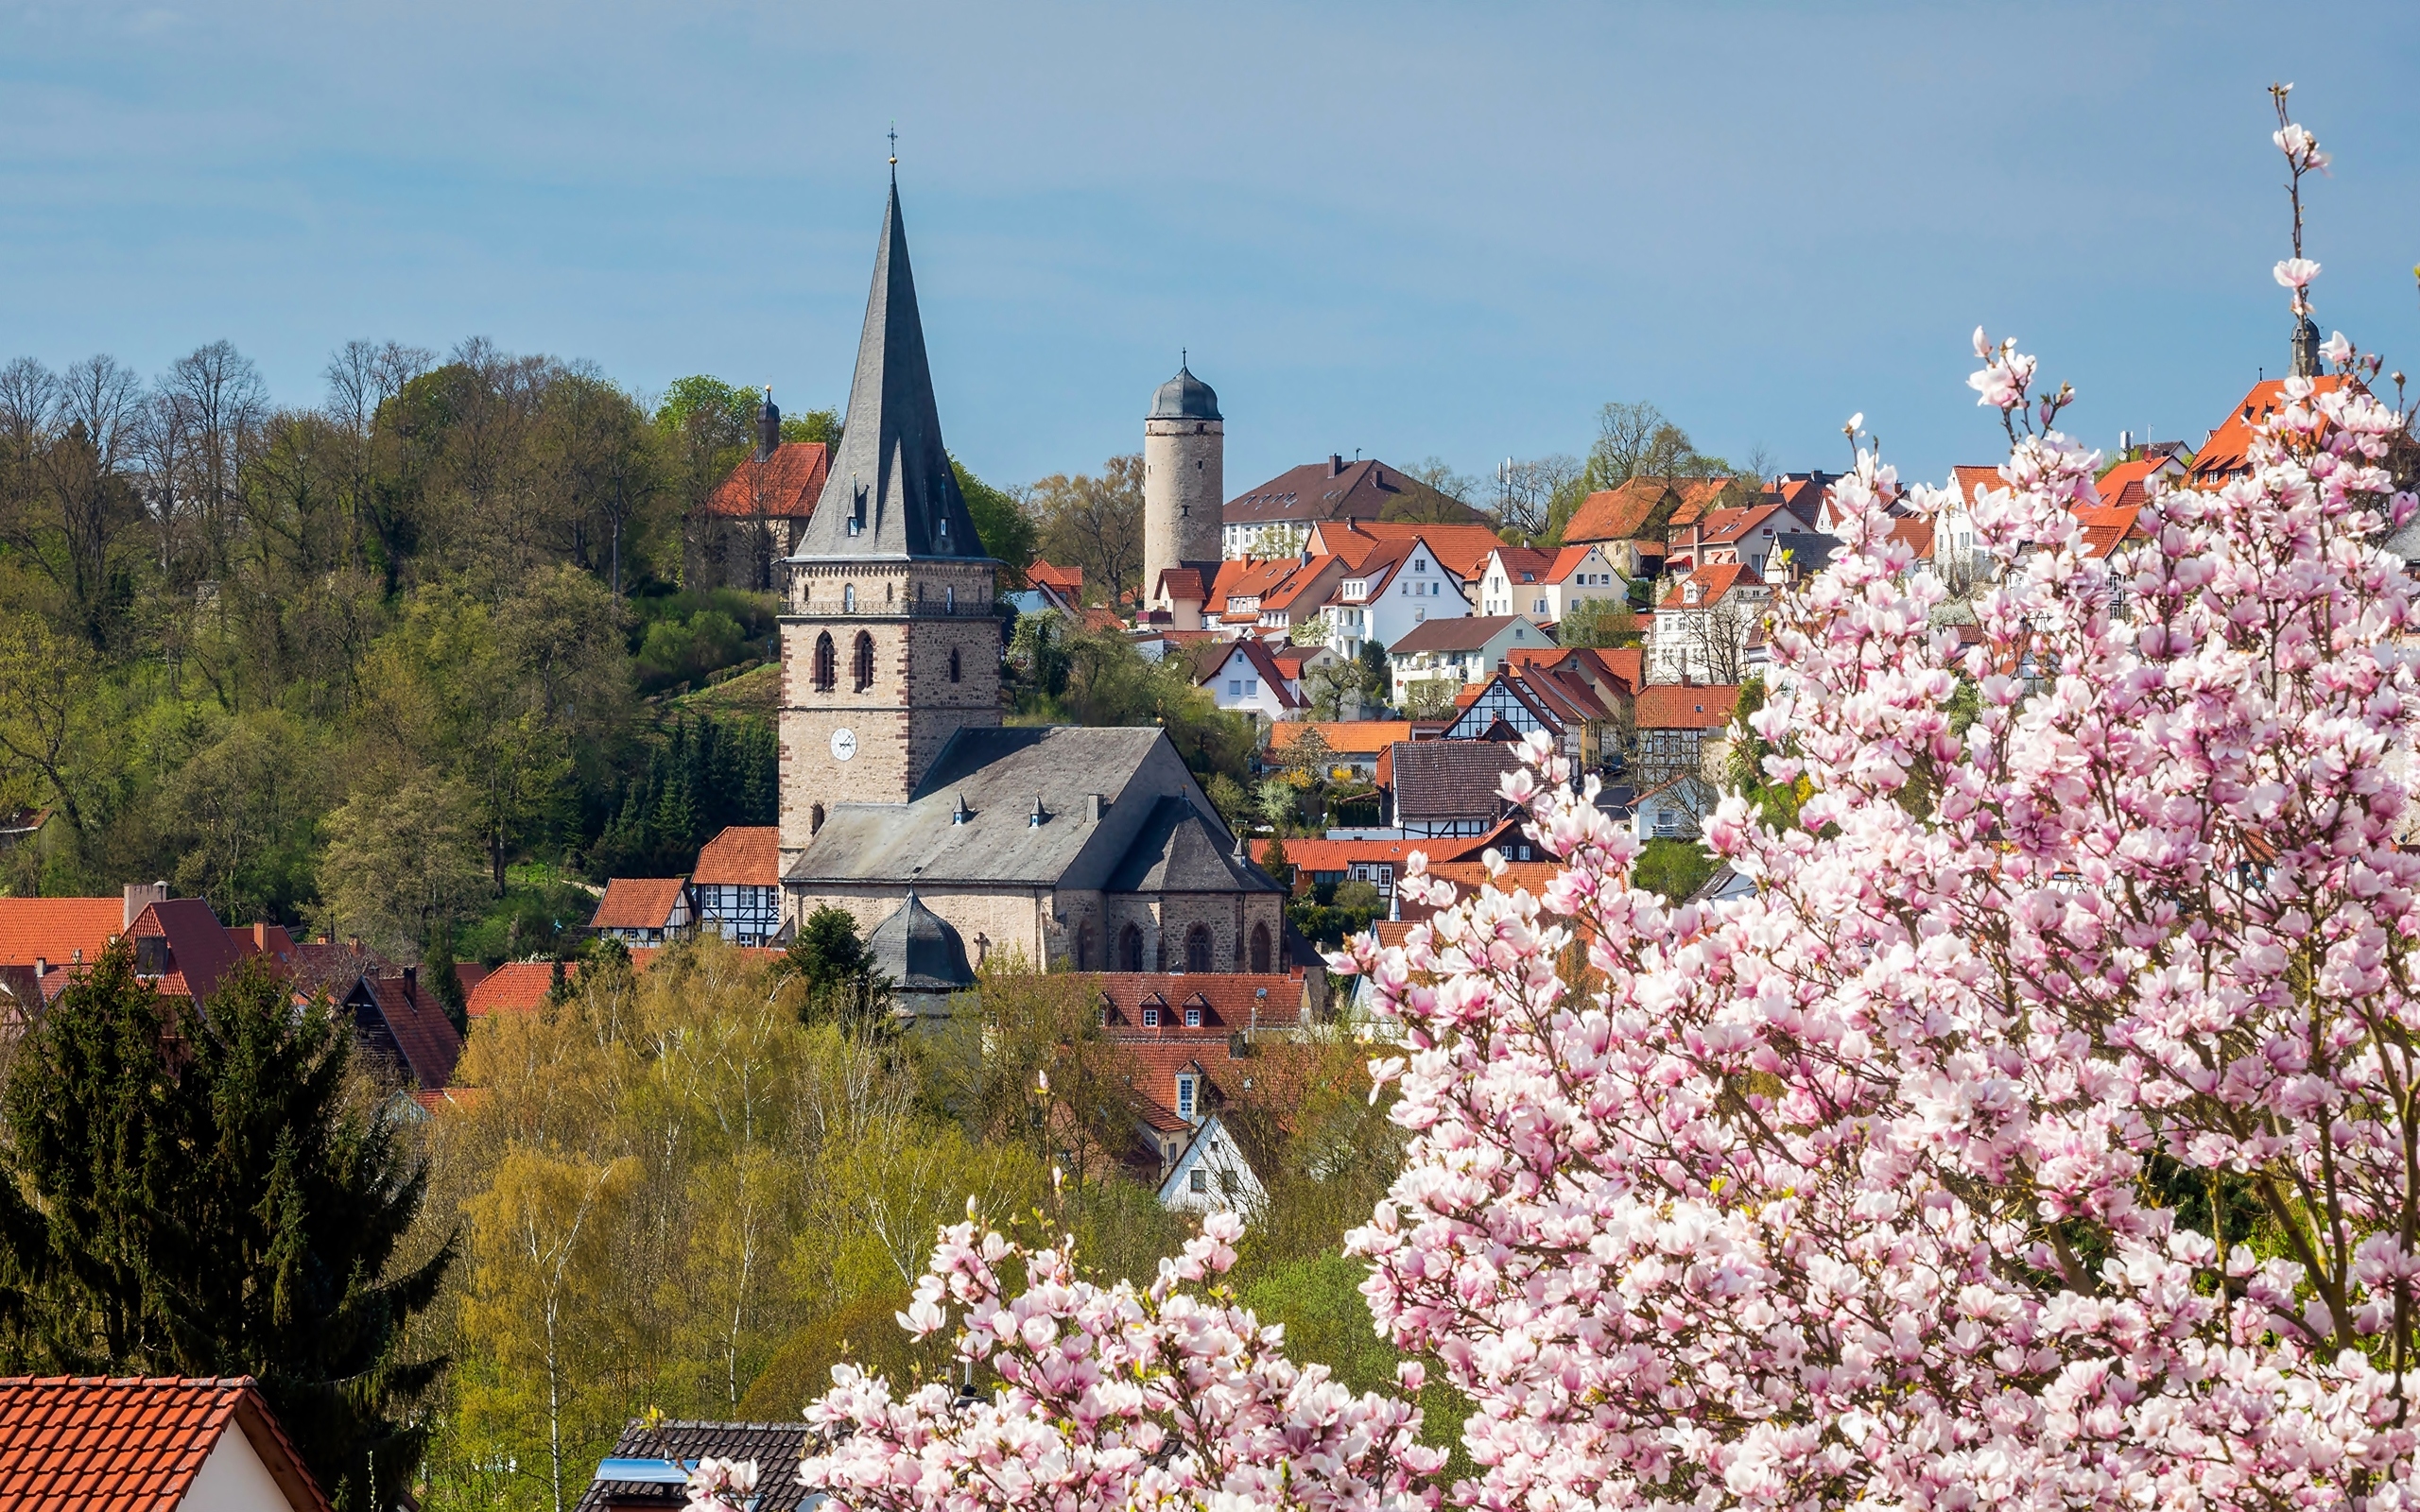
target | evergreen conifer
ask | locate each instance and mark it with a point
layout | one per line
(205, 1194)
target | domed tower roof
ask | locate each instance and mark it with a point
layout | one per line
(1186, 397)
(919, 951)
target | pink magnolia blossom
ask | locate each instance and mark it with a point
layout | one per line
(722, 1485)
(1106, 1397)
(2296, 272)
(1864, 1188)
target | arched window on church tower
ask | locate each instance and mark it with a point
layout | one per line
(1130, 949)
(953, 664)
(1260, 948)
(848, 598)
(827, 670)
(1196, 948)
(865, 662)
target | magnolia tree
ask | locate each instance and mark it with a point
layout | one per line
(2040, 1133)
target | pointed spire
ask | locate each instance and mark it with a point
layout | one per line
(890, 491)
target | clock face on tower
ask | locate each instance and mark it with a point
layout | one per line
(844, 744)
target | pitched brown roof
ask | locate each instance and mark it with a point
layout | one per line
(1713, 582)
(1437, 781)
(427, 1038)
(638, 902)
(1469, 633)
(789, 481)
(744, 855)
(1358, 491)
(200, 953)
(1228, 1002)
(133, 1444)
(1616, 513)
(1686, 706)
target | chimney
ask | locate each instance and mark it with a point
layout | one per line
(139, 896)
(768, 426)
(411, 978)
(1334, 464)
(260, 938)
(42, 967)
(1093, 806)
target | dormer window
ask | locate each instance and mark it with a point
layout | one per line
(1187, 1101)
(1193, 1018)
(1150, 1018)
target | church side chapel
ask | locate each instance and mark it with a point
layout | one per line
(903, 798)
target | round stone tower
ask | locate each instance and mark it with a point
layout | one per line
(1184, 444)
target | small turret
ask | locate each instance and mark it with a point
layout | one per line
(2305, 363)
(768, 427)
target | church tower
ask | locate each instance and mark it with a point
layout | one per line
(889, 642)
(1184, 444)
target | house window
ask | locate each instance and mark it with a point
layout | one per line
(864, 662)
(1251, 687)
(1234, 687)
(1193, 1018)
(1199, 1180)
(1150, 1018)
(1184, 1099)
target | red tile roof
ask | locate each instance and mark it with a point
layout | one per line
(133, 1445)
(1567, 560)
(1917, 533)
(516, 987)
(1264, 665)
(1713, 582)
(1228, 1002)
(1616, 513)
(744, 855)
(1599, 665)
(2106, 528)
(638, 902)
(1315, 855)
(789, 482)
(1460, 548)
(1364, 493)
(1358, 737)
(1068, 580)
(56, 928)
(1686, 706)
(1971, 481)
(1524, 564)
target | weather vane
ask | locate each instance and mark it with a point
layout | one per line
(895, 144)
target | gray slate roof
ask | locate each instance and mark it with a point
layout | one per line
(1185, 397)
(1178, 851)
(919, 950)
(890, 459)
(999, 773)
(1443, 779)
(776, 1447)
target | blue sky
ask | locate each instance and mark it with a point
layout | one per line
(1402, 228)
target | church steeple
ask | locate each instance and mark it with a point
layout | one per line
(890, 491)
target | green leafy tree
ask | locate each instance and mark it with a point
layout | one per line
(204, 1195)
(402, 860)
(1598, 622)
(1673, 868)
(1000, 521)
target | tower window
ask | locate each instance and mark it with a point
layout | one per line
(848, 598)
(814, 818)
(865, 662)
(953, 664)
(826, 663)
(949, 603)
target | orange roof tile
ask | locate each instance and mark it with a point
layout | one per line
(199, 950)
(1459, 549)
(744, 855)
(134, 1444)
(1971, 481)
(56, 928)
(1713, 582)
(1346, 737)
(1068, 580)
(788, 484)
(2228, 450)
(1686, 706)
(638, 902)
(1227, 1001)
(1616, 513)
(516, 987)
